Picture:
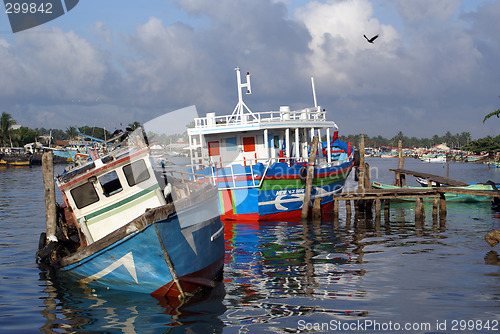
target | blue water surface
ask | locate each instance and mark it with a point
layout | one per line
(354, 275)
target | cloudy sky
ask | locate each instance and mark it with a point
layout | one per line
(434, 67)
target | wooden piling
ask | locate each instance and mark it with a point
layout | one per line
(400, 181)
(442, 205)
(378, 208)
(448, 166)
(50, 195)
(418, 208)
(435, 203)
(336, 204)
(361, 168)
(316, 210)
(367, 182)
(348, 209)
(309, 178)
(387, 206)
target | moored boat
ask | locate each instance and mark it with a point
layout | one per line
(124, 226)
(259, 160)
(15, 158)
(435, 158)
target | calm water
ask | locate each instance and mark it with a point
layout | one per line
(280, 277)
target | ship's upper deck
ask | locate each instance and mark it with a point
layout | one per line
(314, 118)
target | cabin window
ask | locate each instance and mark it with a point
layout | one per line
(213, 148)
(84, 195)
(136, 172)
(110, 184)
(276, 141)
(249, 144)
(231, 144)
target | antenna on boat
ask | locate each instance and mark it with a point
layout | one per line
(314, 92)
(239, 109)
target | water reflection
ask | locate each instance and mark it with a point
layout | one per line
(274, 269)
(279, 273)
(70, 307)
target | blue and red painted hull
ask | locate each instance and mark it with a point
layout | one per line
(275, 193)
(194, 246)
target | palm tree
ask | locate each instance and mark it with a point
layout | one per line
(71, 132)
(491, 114)
(6, 121)
(134, 125)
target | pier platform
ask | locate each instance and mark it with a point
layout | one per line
(440, 180)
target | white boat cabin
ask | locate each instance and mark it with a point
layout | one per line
(106, 194)
(247, 137)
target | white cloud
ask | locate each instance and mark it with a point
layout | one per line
(433, 62)
(51, 65)
(421, 10)
(337, 45)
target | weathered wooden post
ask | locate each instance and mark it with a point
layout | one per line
(448, 166)
(435, 203)
(401, 181)
(387, 206)
(336, 204)
(442, 205)
(418, 208)
(378, 208)
(309, 178)
(316, 211)
(348, 209)
(367, 182)
(361, 168)
(50, 195)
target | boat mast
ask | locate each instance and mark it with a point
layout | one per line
(314, 92)
(239, 110)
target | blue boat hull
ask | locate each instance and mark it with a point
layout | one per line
(256, 193)
(140, 261)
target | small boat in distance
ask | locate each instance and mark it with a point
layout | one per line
(259, 160)
(125, 226)
(435, 158)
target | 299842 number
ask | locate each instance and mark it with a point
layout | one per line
(28, 7)
(474, 325)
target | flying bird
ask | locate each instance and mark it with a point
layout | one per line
(371, 39)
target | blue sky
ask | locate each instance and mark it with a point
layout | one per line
(433, 69)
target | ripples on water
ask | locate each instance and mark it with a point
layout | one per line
(279, 276)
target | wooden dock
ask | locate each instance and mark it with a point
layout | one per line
(439, 180)
(365, 198)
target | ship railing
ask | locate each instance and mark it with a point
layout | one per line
(307, 114)
(256, 177)
(185, 177)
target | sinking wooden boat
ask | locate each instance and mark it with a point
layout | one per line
(124, 226)
(259, 160)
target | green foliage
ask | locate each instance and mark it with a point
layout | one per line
(491, 114)
(488, 144)
(23, 136)
(134, 125)
(454, 141)
(95, 132)
(6, 121)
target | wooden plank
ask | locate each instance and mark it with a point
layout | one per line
(435, 178)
